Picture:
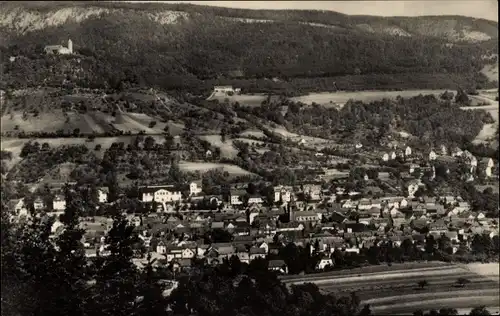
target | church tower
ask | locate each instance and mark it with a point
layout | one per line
(70, 46)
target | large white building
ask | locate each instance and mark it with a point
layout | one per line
(226, 90)
(59, 49)
(161, 194)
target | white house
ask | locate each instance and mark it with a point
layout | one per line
(432, 155)
(488, 172)
(59, 203)
(407, 151)
(59, 49)
(255, 200)
(102, 195)
(323, 263)
(236, 198)
(161, 247)
(491, 163)
(385, 157)
(194, 189)
(226, 89)
(283, 194)
(412, 189)
(160, 194)
(306, 217)
(393, 155)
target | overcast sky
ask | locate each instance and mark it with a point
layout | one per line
(486, 9)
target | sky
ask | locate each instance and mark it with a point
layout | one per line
(486, 9)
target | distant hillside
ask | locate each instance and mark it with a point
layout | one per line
(179, 45)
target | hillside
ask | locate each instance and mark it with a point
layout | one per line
(185, 46)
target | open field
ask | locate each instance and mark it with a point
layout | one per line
(254, 133)
(308, 141)
(227, 149)
(491, 71)
(205, 166)
(243, 99)
(51, 122)
(394, 290)
(488, 131)
(341, 97)
(131, 122)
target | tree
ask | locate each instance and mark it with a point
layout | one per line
(149, 143)
(117, 278)
(448, 311)
(479, 311)
(422, 284)
(151, 301)
(462, 282)
(462, 97)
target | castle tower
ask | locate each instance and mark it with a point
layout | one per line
(70, 46)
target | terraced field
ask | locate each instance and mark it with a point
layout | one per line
(396, 291)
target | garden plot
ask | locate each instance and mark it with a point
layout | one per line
(206, 166)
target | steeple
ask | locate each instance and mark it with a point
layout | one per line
(70, 46)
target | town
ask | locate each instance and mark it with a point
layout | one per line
(174, 159)
(258, 220)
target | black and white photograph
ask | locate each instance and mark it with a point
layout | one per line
(249, 158)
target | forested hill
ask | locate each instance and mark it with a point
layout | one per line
(178, 45)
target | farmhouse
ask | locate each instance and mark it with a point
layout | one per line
(226, 90)
(59, 49)
(160, 194)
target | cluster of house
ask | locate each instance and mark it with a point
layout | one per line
(348, 223)
(21, 209)
(464, 156)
